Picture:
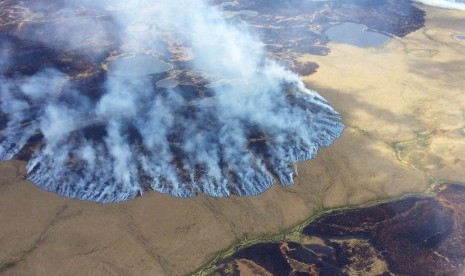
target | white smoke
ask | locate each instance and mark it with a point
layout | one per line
(448, 4)
(239, 139)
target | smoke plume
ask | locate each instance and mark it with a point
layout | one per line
(189, 103)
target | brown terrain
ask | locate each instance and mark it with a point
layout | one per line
(416, 235)
(403, 105)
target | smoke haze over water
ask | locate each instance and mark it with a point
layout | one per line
(235, 126)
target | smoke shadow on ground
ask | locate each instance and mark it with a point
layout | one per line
(444, 71)
(349, 104)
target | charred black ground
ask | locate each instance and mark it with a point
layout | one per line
(413, 236)
(82, 75)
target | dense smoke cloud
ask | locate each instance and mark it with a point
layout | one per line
(250, 121)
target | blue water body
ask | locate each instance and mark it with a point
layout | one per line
(460, 37)
(357, 35)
